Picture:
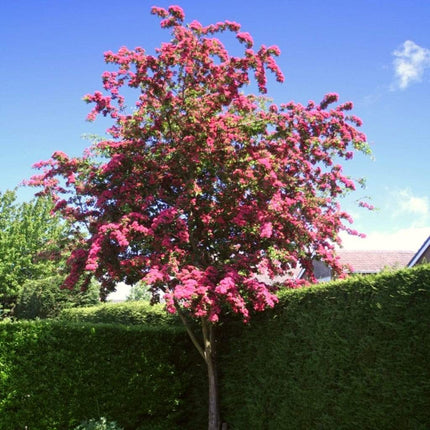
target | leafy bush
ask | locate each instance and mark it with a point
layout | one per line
(100, 424)
(43, 298)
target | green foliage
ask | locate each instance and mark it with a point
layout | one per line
(54, 375)
(128, 313)
(31, 239)
(100, 424)
(139, 291)
(43, 298)
(345, 355)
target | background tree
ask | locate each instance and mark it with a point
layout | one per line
(202, 186)
(31, 241)
(44, 298)
(138, 292)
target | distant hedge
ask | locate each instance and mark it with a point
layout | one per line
(128, 313)
(346, 355)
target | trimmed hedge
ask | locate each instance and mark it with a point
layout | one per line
(345, 355)
(128, 313)
(54, 375)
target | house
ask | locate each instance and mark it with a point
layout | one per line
(422, 256)
(368, 262)
(364, 262)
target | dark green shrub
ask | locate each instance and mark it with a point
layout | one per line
(43, 298)
(100, 424)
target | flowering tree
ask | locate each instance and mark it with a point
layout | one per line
(202, 186)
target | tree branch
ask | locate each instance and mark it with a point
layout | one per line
(189, 331)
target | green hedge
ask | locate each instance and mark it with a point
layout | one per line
(345, 355)
(53, 375)
(128, 313)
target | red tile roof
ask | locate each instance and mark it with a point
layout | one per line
(374, 261)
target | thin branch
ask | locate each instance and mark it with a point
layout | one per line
(189, 331)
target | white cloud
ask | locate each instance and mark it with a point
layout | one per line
(403, 223)
(408, 203)
(407, 239)
(410, 62)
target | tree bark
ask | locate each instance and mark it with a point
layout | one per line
(208, 352)
(210, 358)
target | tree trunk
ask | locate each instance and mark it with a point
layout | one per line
(208, 352)
(210, 358)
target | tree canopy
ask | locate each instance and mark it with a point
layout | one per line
(201, 185)
(31, 243)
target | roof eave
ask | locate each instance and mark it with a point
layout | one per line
(419, 253)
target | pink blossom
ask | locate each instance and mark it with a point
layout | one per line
(159, 11)
(246, 38)
(233, 26)
(177, 12)
(266, 230)
(366, 205)
(225, 285)
(195, 25)
(265, 162)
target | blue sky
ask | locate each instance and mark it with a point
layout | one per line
(374, 53)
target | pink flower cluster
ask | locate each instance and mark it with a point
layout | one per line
(200, 186)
